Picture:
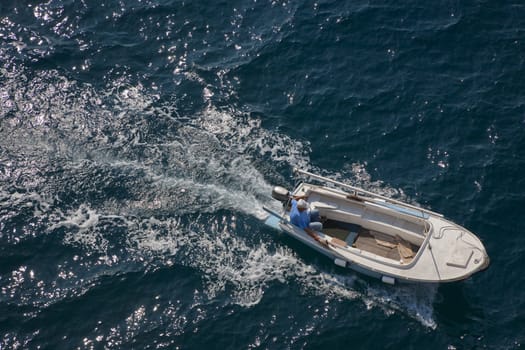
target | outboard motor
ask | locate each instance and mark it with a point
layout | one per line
(281, 194)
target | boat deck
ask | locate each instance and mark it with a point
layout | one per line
(371, 241)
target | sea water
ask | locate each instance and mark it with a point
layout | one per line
(139, 141)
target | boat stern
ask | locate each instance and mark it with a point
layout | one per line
(272, 219)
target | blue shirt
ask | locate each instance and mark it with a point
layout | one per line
(300, 219)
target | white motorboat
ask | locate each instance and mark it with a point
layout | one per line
(379, 236)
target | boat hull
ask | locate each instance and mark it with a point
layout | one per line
(393, 242)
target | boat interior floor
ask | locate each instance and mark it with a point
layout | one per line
(373, 242)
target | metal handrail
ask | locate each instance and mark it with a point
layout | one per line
(368, 193)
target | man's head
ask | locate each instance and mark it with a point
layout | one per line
(302, 205)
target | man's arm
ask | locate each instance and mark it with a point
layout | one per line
(305, 197)
(315, 236)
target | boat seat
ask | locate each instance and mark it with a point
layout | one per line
(343, 232)
(350, 239)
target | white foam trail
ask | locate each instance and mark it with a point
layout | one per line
(247, 195)
(414, 300)
(227, 262)
(230, 263)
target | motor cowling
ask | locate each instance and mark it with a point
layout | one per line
(280, 193)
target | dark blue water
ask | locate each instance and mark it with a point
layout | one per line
(139, 141)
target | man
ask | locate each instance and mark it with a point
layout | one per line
(308, 221)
